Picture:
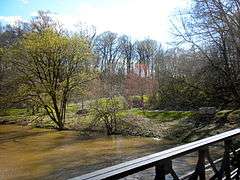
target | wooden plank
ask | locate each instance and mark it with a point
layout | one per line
(137, 165)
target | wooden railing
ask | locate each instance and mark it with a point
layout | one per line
(162, 161)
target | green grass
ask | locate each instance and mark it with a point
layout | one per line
(14, 112)
(24, 112)
(72, 107)
(161, 116)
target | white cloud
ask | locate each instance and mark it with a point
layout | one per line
(11, 19)
(34, 13)
(137, 18)
(24, 1)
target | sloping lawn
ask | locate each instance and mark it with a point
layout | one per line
(161, 115)
(14, 112)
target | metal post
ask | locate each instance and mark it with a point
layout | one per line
(200, 168)
(201, 163)
(238, 174)
(162, 170)
(227, 168)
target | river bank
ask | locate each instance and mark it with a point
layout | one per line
(178, 126)
(133, 122)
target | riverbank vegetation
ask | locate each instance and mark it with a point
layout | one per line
(179, 126)
(52, 77)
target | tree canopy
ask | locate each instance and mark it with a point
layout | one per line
(50, 66)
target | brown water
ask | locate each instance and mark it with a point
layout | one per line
(27, 153)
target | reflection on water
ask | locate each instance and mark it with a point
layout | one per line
(27, 153)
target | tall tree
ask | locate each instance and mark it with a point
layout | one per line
(213, 26)
(127, 52)
(146, 52)
(51, 66)
(106, 47)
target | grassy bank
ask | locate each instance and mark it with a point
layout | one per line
(175, 125)
(198, 126)
(161, 116)
(143, 118)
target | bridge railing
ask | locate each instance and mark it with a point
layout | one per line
(162, 161)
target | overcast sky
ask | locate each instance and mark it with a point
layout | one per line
(137, 18)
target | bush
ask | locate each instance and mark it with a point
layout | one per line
(73, 108)
(176, 94)
(107, 110)
(234, 116)
(223, 113)
(138, 101)
(221, 117)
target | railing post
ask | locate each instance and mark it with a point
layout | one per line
(227, 164)
(201, 163)
(162, 169)
(238, 174)
(200, 168)
(160, 172)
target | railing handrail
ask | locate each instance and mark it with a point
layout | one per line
(140, 164)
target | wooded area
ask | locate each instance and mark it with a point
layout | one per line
(44, 66)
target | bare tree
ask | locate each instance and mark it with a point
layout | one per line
(107, 49)
(146, 53)
(127, 52)
(213, 26)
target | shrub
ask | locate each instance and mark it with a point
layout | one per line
(107, 110)
(222, 116)
(223, 113)
(138, 101)
(234, 116)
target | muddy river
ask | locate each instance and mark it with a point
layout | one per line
(27, 153)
